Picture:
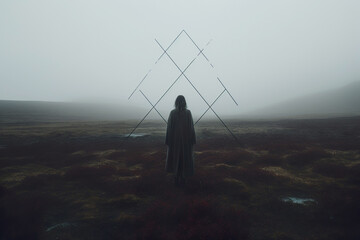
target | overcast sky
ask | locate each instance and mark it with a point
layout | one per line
(263, 51)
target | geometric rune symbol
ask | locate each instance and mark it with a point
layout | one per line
(182, 73)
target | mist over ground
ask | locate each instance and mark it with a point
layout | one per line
(338, 102)
(284, 163)
(265, 52)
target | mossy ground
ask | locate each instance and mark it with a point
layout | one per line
(85, 181)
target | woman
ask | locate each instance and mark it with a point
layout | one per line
(180, 138)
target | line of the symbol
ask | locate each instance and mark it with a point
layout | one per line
(196, 90)
(183, 31)
(209, 107)
(210, 64)
(153, 106)
(155, 64)
(227, 91)
(182, 73)
(165, 51)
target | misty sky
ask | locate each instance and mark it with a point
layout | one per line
(264, 51)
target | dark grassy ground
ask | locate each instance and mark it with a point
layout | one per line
(85, 181)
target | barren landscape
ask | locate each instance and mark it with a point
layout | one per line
(285, 179)
(87, 89)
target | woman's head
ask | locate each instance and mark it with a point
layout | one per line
(180, 102)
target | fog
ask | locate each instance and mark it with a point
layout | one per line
(263, 51)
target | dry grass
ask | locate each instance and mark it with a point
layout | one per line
(104, 187)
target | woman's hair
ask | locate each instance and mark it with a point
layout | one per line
(180, 102)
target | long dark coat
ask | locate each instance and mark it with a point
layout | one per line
(180, 138)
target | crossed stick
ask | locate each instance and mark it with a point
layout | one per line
(183, 73)
(199, 117)
(183, 31)
(154, 105)
(156, 63)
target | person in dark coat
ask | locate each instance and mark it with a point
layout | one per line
(180, 138)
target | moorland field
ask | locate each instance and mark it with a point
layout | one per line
(284, 179)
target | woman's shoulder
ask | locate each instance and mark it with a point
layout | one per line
(173, 112)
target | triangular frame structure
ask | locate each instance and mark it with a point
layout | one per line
(182, 73)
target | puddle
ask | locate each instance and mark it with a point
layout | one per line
(136, 135)
(296, 200)
(60, 226)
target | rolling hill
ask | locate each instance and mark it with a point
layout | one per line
(39, 111)
(344, 101)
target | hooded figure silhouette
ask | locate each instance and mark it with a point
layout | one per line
(180, 138)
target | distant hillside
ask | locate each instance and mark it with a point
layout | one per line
(37, 111)
(344, 101)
